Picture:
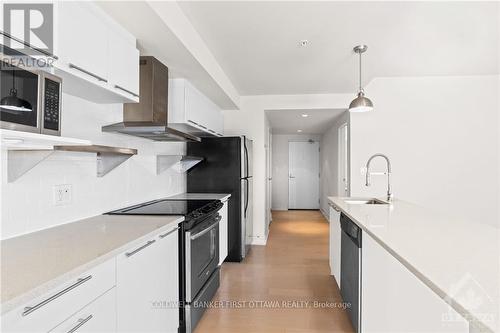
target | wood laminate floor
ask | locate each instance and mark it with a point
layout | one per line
(276, 287)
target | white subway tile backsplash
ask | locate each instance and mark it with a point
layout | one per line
(27, 204)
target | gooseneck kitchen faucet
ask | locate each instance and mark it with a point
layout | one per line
(389, 170)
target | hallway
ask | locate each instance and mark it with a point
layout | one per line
(276, 288)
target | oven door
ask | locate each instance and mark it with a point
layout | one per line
(20, 102)
(202, 253)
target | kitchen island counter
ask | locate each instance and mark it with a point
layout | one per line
(444, 253)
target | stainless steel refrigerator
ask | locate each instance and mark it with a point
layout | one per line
(227, 168)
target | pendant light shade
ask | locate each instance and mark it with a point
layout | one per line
(360, 103)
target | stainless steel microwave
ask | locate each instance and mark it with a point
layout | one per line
(30, 98)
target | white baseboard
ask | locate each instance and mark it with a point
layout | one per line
(259, 240)
(325, 215)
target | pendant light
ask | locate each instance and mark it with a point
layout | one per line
(14, 103)
(360, 103)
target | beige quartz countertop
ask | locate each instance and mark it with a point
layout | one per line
(459, 260)
(34, 263)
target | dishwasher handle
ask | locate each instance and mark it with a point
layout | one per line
(351, 229)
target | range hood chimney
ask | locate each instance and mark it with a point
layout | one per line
(149, 118)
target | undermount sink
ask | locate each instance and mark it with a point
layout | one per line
(365, 202)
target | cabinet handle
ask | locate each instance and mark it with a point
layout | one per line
(335, 208)
(80, 323)
(28, 45)
(193, 122)
(129, 254)
(30, 309)
(95, 76)
(126, 90)
(168, 233)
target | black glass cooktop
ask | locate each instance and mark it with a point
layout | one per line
(163, 207)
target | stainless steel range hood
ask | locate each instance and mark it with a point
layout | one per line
(149, 118)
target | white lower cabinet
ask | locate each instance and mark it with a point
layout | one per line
(148, 286)
(335, 236)
(97, 317)
(51, 309)
(223, 232)
(395, 300)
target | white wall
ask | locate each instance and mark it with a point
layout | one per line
(250, 121)
(329, 158)
(27, 203)
(441, 134)
(280, 167)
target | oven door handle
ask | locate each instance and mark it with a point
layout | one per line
(207, 229)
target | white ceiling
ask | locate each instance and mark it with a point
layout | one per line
(155, 37)
(256, 43)
(289, 121)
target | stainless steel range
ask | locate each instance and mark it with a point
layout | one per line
(198, 252)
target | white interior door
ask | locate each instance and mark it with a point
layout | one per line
(303, 177)
(343, 177)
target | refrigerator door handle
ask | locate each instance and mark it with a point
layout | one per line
(246, 197)
(246, 156)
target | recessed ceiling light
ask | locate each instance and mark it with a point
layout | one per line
(305, 115)
(300, 131)
(303, 43)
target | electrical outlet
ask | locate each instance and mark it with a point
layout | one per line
(62, 194)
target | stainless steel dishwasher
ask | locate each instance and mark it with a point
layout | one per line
(350, 271)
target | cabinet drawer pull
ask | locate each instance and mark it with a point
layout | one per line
(193, 122)
(80, 323)
(129, 254)
(335, 208)
(95, 76)
(212, 131)
(126, 90)
(168, 233)
(30, 309)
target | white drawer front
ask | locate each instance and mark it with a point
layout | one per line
(46, 312)
(98, 316)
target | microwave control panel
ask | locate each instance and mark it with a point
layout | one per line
(52, 98)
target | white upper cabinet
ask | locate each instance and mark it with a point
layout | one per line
(97, 59)
(190, 110)
(83, 41)
(123, 62)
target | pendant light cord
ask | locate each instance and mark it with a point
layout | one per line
(14, 80)
(360, 85)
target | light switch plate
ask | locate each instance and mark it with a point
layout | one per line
(62, 194)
